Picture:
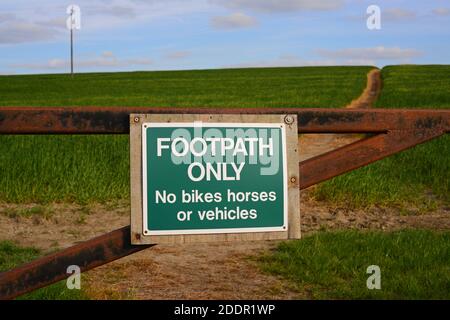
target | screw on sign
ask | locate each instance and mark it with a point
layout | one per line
(289, 120)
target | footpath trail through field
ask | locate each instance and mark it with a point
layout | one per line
(311, 145)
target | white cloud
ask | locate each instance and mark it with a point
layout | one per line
(18, 31)
(42, 20)
(443, 12)
(57, 23)
(119, 11)
(235, 20)
(177, 55)
(342, 57)
(273, 6)
(107, 54)
(295, 61)
(15, 29)
(105, 59)
(4, 17)
(396, 14)
(375, 53)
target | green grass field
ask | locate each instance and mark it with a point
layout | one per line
(264, 87)
(419, 176)
(12, 256)
(96, 168)
(333, 265)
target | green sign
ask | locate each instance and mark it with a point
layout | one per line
(201, 178)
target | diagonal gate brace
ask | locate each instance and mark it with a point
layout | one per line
(361, 153)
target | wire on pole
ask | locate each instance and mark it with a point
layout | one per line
(71, 43)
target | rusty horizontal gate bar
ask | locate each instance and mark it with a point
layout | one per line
(115, 120)
(395, 130)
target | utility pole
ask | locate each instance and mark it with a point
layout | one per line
(73, 22)
(71, 42)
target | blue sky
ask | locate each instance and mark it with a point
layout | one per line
(119, 35)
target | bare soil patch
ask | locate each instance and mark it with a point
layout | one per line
(192, 271)
(318, 216)
(56, 226)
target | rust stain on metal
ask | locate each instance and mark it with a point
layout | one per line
(52, 268)
(428, 122)
(324, 117)
(361, 153)
(115, 120)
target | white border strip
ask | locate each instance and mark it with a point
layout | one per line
(146, 125)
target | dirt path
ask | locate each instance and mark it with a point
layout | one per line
(311, 145)
(370, 93)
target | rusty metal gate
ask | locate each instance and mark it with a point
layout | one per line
(387, 132)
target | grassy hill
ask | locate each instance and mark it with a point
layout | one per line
(96, 168)
(319, 87)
